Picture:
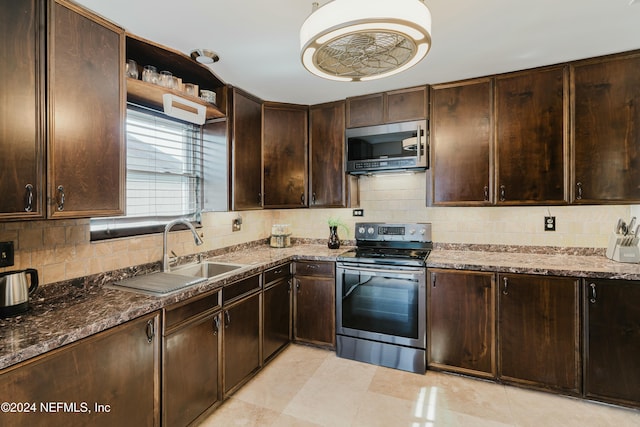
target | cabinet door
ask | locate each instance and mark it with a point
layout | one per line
(606, 148)
(21, 106)
(315, 310)
(326, 149)
(612, 341)
(406, 104)
(276, 314)
(241, 341)
(538, 331)
(284, 142)
(118, 369)
(531, 119)
(365, 110)
(246, 156)
(86, 114)
(461, 321)
(190, 371)
(461, 135)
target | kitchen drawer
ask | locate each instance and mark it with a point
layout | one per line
(276, 273)
(239, 289)
(192, 307)
(314, 268)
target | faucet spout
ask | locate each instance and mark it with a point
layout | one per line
(167, 228)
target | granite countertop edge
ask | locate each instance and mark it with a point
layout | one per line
(59, 320)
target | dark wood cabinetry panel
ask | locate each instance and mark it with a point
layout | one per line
(314, 303)
(461, 139)
(86, 114)
(246, 152)
(276, 324)
(327, 179)
(612, 341)
(284, 141)
(190, 359)
(119, 367)
(606, 130)
(21, 109)
(461, 321)
(365, 110)
(538, 331)
(241, 341)
(406, 104)
(531, 118)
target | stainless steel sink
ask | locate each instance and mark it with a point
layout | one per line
(206, 270)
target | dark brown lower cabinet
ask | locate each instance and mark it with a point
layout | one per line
(276, 310)
(314, 303)
(612, 341)
(109, 379)
(241, 341)
(538, 332)
(191, 343)
(461, 322)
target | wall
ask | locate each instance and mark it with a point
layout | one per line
(60, 250)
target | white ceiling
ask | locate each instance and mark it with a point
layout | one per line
(258, 40)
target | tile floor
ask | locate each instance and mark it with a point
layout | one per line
(306, 386)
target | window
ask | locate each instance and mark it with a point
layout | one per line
(165, 177)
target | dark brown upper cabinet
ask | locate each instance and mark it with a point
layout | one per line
(461, 143)
(327, 178)
(22, 111)
(284, 143)
(86, 100)
(246, 151)
(606, 130)
(387, 107)
(531, 119)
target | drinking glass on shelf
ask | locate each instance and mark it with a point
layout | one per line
(190, 89)
(131, 69)
(166, 79)
(150, 74)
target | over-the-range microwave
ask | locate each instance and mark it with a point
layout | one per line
(385, 148)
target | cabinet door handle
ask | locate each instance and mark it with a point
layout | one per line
(297, 286)
(433, 279)
(593, 297)
(302, 199)
(259, 197)
(502, 193)
(289, 282)
(216, 325)
(313, 197)
(578, 191)
(60, 197)
(486, 193)
(505, 286)
(151, 330)
(29, 198)
(227, 319)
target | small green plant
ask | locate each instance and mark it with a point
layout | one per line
(337, 222)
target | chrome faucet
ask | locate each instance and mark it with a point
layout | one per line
(167, 228)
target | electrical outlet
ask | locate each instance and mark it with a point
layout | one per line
(358, 212)
(6, 254)
(549, 223)
(236, 225)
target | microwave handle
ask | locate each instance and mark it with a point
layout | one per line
(419, 143)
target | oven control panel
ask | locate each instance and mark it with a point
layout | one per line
(373, 231)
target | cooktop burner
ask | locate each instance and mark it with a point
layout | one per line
(391, 244)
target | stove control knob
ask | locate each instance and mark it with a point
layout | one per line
(412, 231)
(423, 231)
(361, 230)
(370, 230)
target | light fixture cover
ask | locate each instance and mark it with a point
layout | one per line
(357, 40)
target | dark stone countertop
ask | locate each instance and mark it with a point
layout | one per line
(62, 314)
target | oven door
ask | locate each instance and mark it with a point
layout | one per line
(382, 303)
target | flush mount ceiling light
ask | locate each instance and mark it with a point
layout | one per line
(204, 56)
(359, 40)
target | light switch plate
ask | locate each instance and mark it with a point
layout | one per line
(6, 254)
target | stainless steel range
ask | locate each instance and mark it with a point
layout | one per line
(381, 296)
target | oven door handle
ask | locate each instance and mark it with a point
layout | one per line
(412, 271)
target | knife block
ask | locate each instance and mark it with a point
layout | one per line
(620, 253)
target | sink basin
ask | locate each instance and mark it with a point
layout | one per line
(206, 270)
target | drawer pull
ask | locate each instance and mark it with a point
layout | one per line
(593, 297)
(505, 286)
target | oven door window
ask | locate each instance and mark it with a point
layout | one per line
(381, 304)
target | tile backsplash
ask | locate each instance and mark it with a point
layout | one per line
(61, 250)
